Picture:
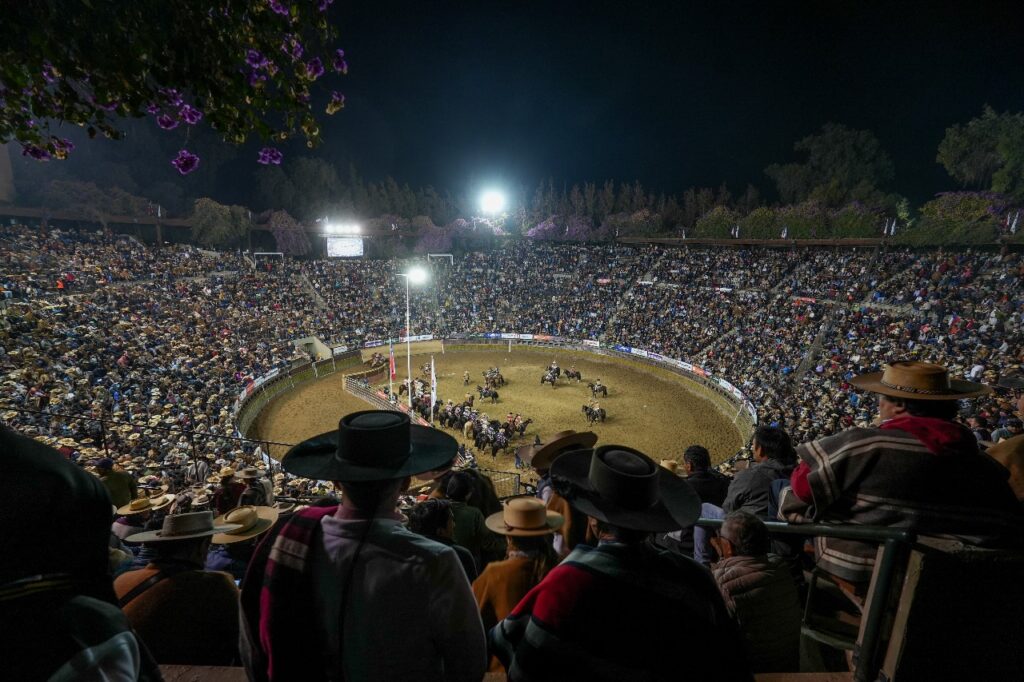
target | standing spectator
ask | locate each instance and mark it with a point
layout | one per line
(710, 485)
(434, 519)
(228, 493)
(574, 526)
(185, 615)
(470, 530)
(254, 495)
(760, 593)
(527, 526)
(622, 610)
(119, 484)
(343, 575)
(918, 469)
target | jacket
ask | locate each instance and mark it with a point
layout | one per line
(749, 489)
(710, 485)
(499, 588)
(762, 596)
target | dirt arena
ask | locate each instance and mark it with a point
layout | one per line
(652, 410)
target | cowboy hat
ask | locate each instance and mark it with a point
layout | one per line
(915, 380)
(145, 504)
(626, 488)
(373, 445)
(524, 517)
(251, 520)
(248, 472)
(183, 527)
(1016, 381)
(226, 472)
(544, 455)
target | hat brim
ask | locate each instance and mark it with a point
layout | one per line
(544, 455)
(678, 505)
(126, 510)
(496, 523)
(158, 536)
(317, 458)
(267, 519)
(958, 389)
(1014, 382)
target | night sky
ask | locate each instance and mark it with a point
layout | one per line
(460, 94)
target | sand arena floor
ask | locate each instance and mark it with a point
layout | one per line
(652, 410)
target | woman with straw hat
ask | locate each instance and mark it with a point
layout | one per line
(528, 528)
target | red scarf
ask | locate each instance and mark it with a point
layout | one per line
(940, 436)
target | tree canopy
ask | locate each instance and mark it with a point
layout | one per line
(240, 67)
(987, 152)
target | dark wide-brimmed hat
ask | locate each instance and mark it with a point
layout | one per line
(374, 445)
(524, 517)
(1015, 381)
(626, 488)
(915, 380)
(543, 455)
(183, 527)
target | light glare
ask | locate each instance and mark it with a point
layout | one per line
(492, 201)
(416, 275)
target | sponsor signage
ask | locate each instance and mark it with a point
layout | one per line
(657, 356)
(373, 344)
(637, 351)
(338, 350)
(591, 343)
(622, 349)
(543, 337)
(685, 365)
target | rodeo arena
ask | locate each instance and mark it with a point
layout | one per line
(794, 459)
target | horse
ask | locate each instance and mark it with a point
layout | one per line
(521, 429)
(574, 374)
(594, 390)
(468, 428)
(403, 389)
(549, 378)
(593, 415)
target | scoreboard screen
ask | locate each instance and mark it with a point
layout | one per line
(344, 247)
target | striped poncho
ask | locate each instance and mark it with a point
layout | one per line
(920, 473)
(621, 612)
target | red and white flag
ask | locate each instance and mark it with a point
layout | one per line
(391, 359)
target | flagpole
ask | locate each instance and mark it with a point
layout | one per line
(391, 369)
(433, 389)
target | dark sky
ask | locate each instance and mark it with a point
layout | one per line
(459, 94)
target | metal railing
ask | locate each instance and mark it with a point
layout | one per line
(895, 543)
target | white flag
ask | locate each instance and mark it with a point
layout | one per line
(785, 232)
(433, 383)
(1013, 228)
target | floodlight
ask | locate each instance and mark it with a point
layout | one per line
(492, 201)
(416, 275)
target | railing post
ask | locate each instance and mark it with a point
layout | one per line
(866, 651)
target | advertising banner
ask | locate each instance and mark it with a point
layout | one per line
(373, 344)
(592, 343)
(623, 349)
(543, 337)
(637, 351)
(685, 365)
(338, 350)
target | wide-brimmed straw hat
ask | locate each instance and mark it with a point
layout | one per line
(226, 472)
(524, 517)
(542, 456)
(915, 380)
(373, 445)
(249, 472)
(145, 504)
(183, 527)
(251, 521)
(626, 488)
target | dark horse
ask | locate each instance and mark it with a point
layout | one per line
(602, 389)
(574, 374)
(549, 378)
(521, 429)
(593, 415)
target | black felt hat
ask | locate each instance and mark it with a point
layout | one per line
(375, 445)
(626, 488)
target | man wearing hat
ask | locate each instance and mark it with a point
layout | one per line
(185, 615)
(255, 494)
(344, 576)
(918, 469)
(228, 493)
(574, 526)
(622, 610)
(232, 550)
(119, 484)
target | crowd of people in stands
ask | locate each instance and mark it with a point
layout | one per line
(122, 380)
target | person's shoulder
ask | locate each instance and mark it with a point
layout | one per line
(419, 546)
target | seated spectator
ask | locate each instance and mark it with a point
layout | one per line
(434, 519)
(185, 615)
(470, 530)
(132, 517)
(58, 614)
(622, 610)
(527, 526)
(1014, 427)
(710, 485)
(774, 458)
(342, 576)
(918, 469)
(232, 550)
(760, 593)
(119, 484)
(1010, 453)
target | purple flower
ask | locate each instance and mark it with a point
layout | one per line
(49, 73)
(337, 102)
(172, 96)
(153, 108)
(278, 7)
(314, 68)
(166, 122)
(35, 151)
(255, 78)
(190, 115)
(292, 47)
(255, 59)
(110, 106)
(269, 155)
(185, 162)
(339, 63)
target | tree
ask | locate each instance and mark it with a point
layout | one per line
(761, 223)
(91, 201)
(289, 234)
(841, 165)
(970, 153)
(718, 222)
(242, 68)
(959, 218)
(218, 226)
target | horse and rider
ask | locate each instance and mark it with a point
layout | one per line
(594, 412)
(597, 387)
(487, 392)
(549, 378)
(573, 373)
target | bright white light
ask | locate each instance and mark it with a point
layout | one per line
(492, 201)
(416, 275)
(341, 228)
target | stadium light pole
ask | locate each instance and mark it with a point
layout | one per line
(416, 275)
